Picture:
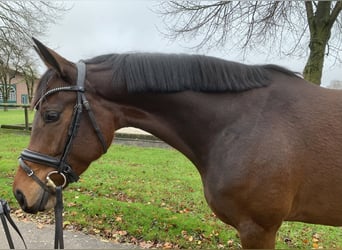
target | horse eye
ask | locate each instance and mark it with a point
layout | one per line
(51, 116)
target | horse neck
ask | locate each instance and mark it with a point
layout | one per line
(191, 122)
(180, 119)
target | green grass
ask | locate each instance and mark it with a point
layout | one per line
(14, 116)
(155, 195)
(152, 196)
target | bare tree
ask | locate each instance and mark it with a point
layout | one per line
(290, 26)
(19, 21)
(30, 75)
(9, 66)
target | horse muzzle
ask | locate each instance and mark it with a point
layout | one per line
(33, 198)
(45, 200)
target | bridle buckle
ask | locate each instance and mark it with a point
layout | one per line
(30, 173)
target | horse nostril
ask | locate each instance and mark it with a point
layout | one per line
(20, 197)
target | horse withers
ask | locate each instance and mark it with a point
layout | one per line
(267, 144)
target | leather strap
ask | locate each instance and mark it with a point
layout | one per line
(30, 173)
(5, 214)
(31, 156)
(59, 241)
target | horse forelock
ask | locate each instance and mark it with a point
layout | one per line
(153, 72)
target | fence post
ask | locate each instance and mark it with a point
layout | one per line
(26, 119)
(25, 106)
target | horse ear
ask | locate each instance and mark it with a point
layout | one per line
(54, 60)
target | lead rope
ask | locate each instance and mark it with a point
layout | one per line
(5, 214)
(59, 241)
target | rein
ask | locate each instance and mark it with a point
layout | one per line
(61, 165)
(5, 214)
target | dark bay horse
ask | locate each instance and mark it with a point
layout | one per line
(267, 144)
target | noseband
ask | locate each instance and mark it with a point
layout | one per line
(60, 164)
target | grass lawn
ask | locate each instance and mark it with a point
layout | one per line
(14, 116)
(147, 196)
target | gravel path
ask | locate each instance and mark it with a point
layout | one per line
(42, 237)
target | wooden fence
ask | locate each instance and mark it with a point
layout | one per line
(24, 106)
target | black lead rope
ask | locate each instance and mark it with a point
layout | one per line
(59, 241)
(5, 214)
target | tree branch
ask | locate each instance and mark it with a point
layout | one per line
(335, 12)
(309, 14)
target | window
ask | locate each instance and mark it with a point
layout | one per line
(12, 94)
(12, 97)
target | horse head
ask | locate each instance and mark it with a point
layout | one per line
(68, 132)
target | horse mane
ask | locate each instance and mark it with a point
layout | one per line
(147, 72)
(153, 72)
(165, 73)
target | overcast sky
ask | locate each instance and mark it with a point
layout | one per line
(92, 28)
